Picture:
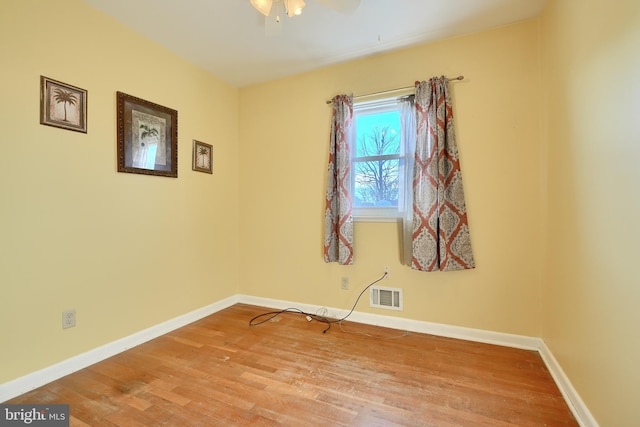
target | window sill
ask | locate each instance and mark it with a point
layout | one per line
(374, 219)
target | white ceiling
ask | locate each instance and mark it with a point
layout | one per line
(227, 37)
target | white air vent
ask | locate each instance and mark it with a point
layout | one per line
(382, 297)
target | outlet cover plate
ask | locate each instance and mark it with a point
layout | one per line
(68, 319)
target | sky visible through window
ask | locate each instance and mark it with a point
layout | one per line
(376, 158)
(366, 124)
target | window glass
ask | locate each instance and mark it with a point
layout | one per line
(376, 160)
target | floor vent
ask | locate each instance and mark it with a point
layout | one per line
(390, 298)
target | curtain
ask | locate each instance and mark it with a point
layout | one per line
(440, 232)
(407, 161)
(338, 217)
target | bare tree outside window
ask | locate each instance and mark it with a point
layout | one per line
(376, 167)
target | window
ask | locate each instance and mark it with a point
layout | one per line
(377, 162)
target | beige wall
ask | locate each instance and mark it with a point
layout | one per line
(284, 150)
(126, 251)
(547, 131)
(591, 125)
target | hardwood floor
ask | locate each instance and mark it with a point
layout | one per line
(221, 371)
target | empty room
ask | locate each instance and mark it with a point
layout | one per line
(319, 212)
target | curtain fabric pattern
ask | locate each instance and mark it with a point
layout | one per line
(440, 238)
(338, 217)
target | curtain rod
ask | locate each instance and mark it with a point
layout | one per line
(395, 90)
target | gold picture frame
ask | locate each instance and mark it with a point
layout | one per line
(147, 137)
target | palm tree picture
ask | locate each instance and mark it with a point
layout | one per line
(145, 156)
(61, 96)
(147, 132)
(62, 105)
(147, 137)
(203, 157)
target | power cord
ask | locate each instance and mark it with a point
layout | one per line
(310, 316)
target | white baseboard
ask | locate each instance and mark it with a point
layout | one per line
(44, 376)
(39, 378)
(575, 403)
(477, 335)
(571, 396)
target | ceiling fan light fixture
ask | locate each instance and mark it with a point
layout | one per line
(294, 7)
(262, 6)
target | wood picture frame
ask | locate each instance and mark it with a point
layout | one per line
(147, 137)
(202, 157)
(63, 105)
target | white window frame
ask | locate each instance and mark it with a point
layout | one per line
(378, 214)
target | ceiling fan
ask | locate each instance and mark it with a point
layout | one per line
(273, 10)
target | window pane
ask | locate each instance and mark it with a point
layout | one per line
(378, 134)
(375, 163)
(376, 183)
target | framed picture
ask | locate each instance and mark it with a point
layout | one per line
(62, 105)
(202, 157)
(147, 137)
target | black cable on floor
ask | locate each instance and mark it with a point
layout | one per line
(272, 314)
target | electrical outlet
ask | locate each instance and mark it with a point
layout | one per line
(344, 284)
(68, 319)
(387, 271)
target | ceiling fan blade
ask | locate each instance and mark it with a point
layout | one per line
(343, 6)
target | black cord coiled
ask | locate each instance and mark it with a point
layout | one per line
(272, 314)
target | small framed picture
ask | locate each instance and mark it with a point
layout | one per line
(62, 105)
(147, 137)
(202, 157)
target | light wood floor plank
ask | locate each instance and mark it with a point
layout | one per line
(221, 371)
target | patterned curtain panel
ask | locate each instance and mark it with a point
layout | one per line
(440, 237)
(338, 218)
